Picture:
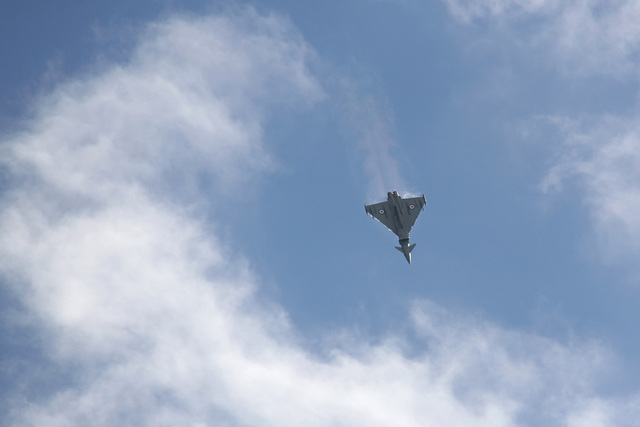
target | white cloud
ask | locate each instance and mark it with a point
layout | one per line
(581, 36)
(189, 101)
(154, 322)
(602, 156)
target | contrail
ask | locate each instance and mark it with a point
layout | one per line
(371, 123)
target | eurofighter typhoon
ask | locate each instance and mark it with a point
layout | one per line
(398, 215)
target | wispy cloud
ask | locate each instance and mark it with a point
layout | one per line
(586, 37)
(598, 153)
(153, 321)
(602, 157)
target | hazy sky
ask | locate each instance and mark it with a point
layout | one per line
(183, 238)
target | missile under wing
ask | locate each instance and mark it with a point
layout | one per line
(398, 215)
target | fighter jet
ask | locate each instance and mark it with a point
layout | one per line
(398, 215)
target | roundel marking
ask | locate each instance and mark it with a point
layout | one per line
(412, 207)
(381, 211)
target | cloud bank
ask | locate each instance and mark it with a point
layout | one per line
(147, 319)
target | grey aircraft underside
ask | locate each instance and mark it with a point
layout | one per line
(398, 215)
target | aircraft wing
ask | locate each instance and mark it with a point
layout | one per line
(382, 212)
(410, 209)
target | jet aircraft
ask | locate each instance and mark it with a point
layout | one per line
(398, 215)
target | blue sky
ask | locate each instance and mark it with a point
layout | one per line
(183, 239)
